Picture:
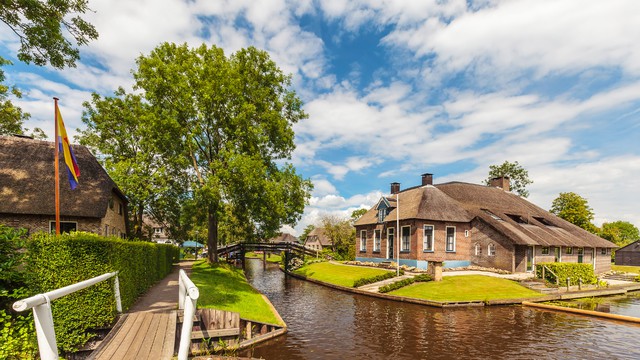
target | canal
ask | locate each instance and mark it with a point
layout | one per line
(329, 324)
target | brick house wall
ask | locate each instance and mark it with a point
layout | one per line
(114, 221)
(37, 223)
(484, 235)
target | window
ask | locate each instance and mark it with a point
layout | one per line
(406, 236)
(517, 218)
(363, 240)
(478, 249)
(111, 203)
(65, 226)
(545, 250)
(451, 239)
(494, 216)
(120, 209)
(466, 233)
(491, 250)
(427, 238)
(603, 251)
(381, 214)
(390, 239)
(106, 230)
(376, 240)
(580, 251)
(543, 221)
(158, 230)
(569, 250)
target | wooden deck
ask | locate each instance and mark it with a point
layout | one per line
(141, 335)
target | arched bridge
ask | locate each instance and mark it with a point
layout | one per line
(239, 249)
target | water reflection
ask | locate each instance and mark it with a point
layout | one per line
(330, 324)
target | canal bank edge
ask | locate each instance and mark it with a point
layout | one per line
(617, 290)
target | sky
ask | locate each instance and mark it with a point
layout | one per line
(398, 88)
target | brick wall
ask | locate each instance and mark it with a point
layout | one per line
(113, 223)
(484, 235)
(36, 223)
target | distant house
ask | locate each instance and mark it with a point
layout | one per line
(629, 255)
(157, 232)
(284, 238)
(27, 191)
(465, 224)
(318, 240)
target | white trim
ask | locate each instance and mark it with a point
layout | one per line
(408, 249)
(433, 230)
(477, 249)
(490, 247)
(446, 239)
(377, 240)
(466, 233)
(393, 233)
(363, 248)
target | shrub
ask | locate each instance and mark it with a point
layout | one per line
(374, 279)
(402, 283)
(574, 271)
(57, 261)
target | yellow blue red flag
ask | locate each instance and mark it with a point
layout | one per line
(65, 148)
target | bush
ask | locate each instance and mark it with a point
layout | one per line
(57, 261)
(574, 271)
(374, 279)
(402, 283)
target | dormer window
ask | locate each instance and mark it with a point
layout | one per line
(381, 215)
(517, 218)
(383, 209)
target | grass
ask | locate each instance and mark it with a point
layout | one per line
(623, 268)
(225, 287)
(343, 275)
(271, 258)
(467, 288)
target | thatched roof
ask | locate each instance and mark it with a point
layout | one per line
(424, 202)
(284, 238)
(27, 181)
(318, 234)
(519, 220)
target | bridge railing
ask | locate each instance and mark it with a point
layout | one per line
(251, 246)
(41, 305)
(188, 295)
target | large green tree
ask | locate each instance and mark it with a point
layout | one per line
(342, 235)
(518, 176)
(575, 209)
(621, 233)
(121, 130)
(231, 118)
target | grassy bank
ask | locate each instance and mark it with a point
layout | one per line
(467, 288)
(343, 275)
(225, 287)
(272, 258)
(624, 268)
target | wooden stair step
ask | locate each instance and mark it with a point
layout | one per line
(207, 334)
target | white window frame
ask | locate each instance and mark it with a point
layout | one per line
(424, 238)
(402, 247)
(391, 233)
(377, 240)
(446, 239)
(363, 240)
(478, 249)
(491, 249)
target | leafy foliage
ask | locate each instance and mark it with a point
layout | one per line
(54, 262)
(302, 238)
(342, 235)
(515, 172)
(574, 271)
(575, 209)
(357, 214)
(620, 233)
(405, 282)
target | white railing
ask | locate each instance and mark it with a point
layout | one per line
(187, 298)
(41, 305)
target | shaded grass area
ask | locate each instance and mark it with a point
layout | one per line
(271, 258)
(224, 287)
(467, 288)
(336, 274)
(625, 268)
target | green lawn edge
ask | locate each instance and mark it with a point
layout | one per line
(337, 274)
(467, 288)
(224, 287)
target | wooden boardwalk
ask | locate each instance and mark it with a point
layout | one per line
(148, 331)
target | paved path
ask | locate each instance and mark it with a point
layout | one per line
(162, 296)
(375, 286)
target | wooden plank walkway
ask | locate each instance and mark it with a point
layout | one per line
(148, 331)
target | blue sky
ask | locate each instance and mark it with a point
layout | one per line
(398, 88)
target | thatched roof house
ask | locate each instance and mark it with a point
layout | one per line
(284, 238)
(317, 239)
(27, 191)
(462, 224)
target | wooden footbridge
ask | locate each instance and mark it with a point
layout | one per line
(237, 251)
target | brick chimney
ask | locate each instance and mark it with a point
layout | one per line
(427, 179)
(395, 188)
(501, 182)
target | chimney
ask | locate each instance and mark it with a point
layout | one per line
(501, 182)
(427, 179)
(395, 188)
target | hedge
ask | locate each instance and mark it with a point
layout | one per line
(402, 283)
(54, 262)
(574, 271)
(374, 279)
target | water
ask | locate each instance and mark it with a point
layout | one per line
(329, 324)
(628, 305)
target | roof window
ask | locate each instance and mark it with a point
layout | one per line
(494, 216)
(543, 221)
(517, 218)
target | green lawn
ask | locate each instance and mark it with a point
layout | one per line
(623, 268)
(272, 258)
(467, 288)
(337, 274)
(225, 287)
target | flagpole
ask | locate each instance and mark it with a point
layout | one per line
(57, 170)
(399, 233)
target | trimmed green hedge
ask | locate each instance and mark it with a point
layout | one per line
(574, 271)
(402, 283)
(54, 262)
(374, 279)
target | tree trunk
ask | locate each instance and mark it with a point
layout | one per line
(212, 240)
(139, 222)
